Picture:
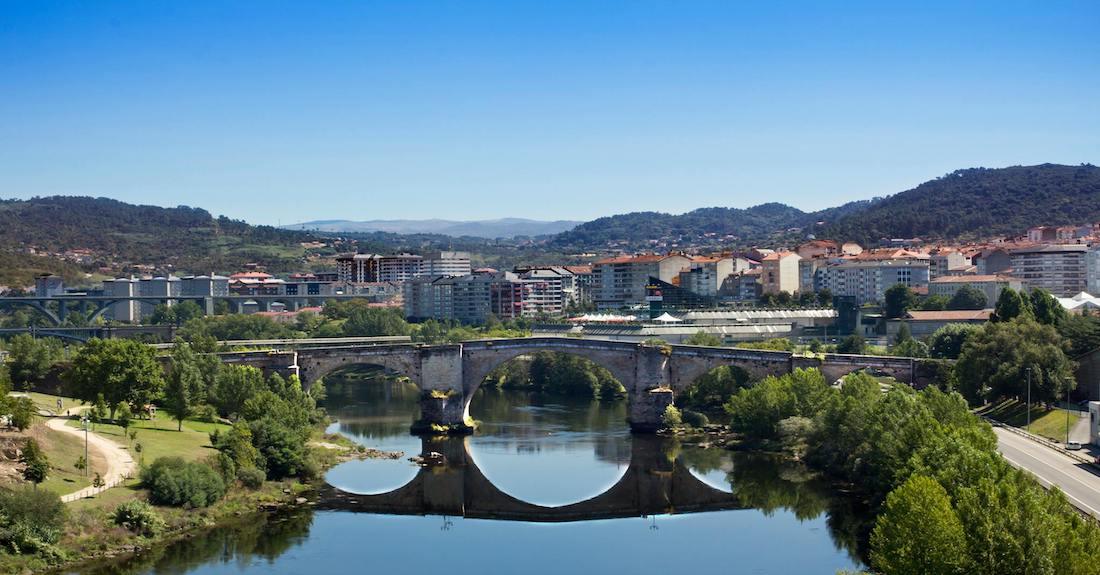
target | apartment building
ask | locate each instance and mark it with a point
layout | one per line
(944, 261)
(366, 268)
(125, 311)
(1060, 269)
(168, 287)
(990, 285)
(447, 264)
(472, 298)
(621, 281)
(866, 277)
(779, 272)
(705, 275)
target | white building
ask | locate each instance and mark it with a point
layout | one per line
(447, 264)
(127, 311)
(868, 275)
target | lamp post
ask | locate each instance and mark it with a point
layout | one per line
(87, 463)
(1027, 408)
(1069, 381)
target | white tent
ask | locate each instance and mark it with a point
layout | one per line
(666, 318)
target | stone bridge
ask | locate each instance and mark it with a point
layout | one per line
(449, 375)
(652, 485)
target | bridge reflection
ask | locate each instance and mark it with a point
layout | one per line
(656, 482)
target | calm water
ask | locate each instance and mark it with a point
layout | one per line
(512, 498)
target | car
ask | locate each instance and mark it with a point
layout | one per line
(1073, 445)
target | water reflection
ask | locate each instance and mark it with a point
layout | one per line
(636, 504)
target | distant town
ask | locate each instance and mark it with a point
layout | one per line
(819, 288)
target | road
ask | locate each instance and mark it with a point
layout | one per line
(120, 464)
(1080, 482)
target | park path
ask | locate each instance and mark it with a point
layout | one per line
(120, 465)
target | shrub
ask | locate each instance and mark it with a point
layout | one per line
(173, 481)
(31, 521)
(251, 477)
(205, 412)
(694, 418)
(671, 417)
(139, 517)
(281, 448)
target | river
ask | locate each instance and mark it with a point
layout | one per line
(547, 485)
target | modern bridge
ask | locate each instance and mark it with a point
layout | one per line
(56, 308)
(449, 375)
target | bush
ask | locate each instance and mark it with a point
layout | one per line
(139, 517)
(694, 418)
(31, 521)
(671, 417)
(173, 481)
(281, 448)
(251, 477)
(205, 412)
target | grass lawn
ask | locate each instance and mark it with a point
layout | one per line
(1050, 424)
(63, 450)
(159, 437)
(49, 402)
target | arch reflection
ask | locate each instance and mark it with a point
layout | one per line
(655, 482)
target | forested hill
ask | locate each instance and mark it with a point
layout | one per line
(978, 203)
(975, 203)
(190, 239)
(756, 223)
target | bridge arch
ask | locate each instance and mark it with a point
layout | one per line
(316, 365)
(35, 305)
(479, 359)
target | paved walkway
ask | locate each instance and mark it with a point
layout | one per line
(120, 465)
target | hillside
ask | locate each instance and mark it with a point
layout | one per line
(754, 224)
(964, 205)
(500, 228)
(978, 203)
(120, 235)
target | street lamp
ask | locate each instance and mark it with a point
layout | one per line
(1069, 382)
(1027, 408)
(84, 424)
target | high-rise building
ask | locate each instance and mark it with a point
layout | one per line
(168, 287)
(127, 311)
(447, 264)
(48, 285)
(1059, 269)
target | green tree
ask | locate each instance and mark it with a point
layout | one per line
(898, 299)
(932, 302)
(853, 344)
(947, 341)
(30, 359)
(825, 297)
(185, 382)
(1010, 305)
(36, 466)
(1045, 308)
(23, 412)
(756, 411)
(904, 334)
(235, 385)
(968, 297)
(703, 338)
(177, 314)
(918, 532)
(1081, 332)
(123, 416)
(994, 361)
(117, 369)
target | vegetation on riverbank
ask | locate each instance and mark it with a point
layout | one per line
(927, 466)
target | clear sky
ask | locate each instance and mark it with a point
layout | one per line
(282, 112)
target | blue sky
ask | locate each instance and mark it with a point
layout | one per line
(282, 112)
